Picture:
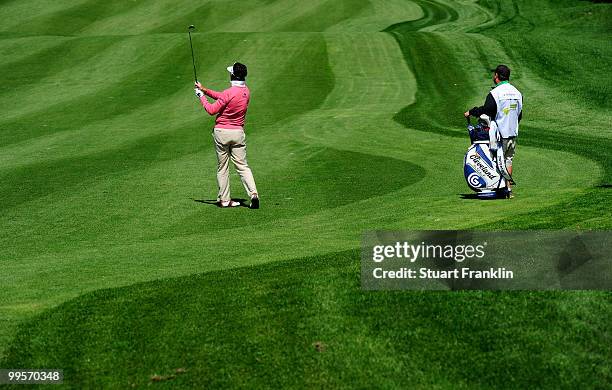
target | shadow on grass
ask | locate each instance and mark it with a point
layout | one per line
(214, 202)
(474, 196)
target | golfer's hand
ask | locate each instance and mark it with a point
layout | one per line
(198, 92)
(466, 114)
(199, 85)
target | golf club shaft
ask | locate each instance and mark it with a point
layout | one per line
(195, 75)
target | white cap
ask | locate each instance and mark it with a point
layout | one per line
(231, 69)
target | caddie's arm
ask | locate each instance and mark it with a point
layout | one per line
(489, 108)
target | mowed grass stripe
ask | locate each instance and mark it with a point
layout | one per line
(321, 323)
(98, 118)
(17, 49)
(75, 18)
(92, 68)
(93, 101)
(132, 18)
(90, 18)
(17, 14)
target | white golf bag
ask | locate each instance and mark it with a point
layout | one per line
(484, 165)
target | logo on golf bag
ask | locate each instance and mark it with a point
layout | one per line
(479, 171)
(475, 181)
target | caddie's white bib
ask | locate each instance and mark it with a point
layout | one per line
(509, 105)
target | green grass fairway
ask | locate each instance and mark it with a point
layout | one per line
(115, 268)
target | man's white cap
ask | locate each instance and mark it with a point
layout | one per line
(231, 69)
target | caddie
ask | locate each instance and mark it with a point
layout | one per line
(504, 105)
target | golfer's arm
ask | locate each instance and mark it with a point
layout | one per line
(213, 94)
(214, 108)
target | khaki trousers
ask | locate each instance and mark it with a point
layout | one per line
(232, 144)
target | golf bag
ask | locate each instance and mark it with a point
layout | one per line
(484, 165)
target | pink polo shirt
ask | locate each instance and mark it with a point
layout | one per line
(230, 106)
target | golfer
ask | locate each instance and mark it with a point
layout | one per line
(504, 105)
(230, 106)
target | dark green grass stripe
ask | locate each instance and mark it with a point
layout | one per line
(306, 323)
(506, 13)
(74, 18)
(212, 16)
(22, 52)
(589, 210)
(33, 181)
(433, 13)
(312, 90)
(437, 102)
(316, 179)
(31, 69)
(326, 14)
(124, 94)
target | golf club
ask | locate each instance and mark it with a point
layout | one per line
(195, 75)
